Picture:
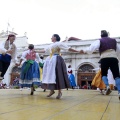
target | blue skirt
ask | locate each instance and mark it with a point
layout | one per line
(31, 76)
(72, 80)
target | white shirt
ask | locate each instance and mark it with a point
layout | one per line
(42, 61)
(3, 50)
(69, 69)
(108, 53)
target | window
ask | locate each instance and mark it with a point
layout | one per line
(86, 68)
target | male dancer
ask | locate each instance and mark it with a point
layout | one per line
(8, 51)
(108, 49)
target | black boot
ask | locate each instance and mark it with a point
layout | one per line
(72, 87)
(44, 90)
(32, 89)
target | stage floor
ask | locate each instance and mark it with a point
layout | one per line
(74, 105)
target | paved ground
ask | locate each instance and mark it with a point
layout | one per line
(74, 105)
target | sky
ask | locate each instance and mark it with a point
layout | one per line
(41, 19)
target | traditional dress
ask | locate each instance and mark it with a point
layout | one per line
(54, 70)
(98, 82)
(5, 59)
(41, 68)
(71, 77)
(30, 69)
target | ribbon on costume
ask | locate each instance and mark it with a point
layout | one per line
(27, 66)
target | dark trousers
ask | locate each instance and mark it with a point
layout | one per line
(3, 67)
(111, 63)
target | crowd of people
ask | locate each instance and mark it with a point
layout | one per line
(52, 71)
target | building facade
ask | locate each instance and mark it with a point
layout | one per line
(82, 64)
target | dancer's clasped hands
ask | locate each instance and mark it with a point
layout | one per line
(81, 52)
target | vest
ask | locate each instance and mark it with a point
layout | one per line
(107, 43)
(31, 55)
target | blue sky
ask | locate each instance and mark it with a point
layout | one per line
(42, 18)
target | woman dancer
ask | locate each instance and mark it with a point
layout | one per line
(30, 70)
(71, 77)
(54, 70)
(41, 68)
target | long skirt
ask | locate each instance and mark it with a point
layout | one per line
(55, 74)
(98, 82)
(72, 80)
(41, 72)
(32, 76)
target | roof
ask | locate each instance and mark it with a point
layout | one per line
(72, 39)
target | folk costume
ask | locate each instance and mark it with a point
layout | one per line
(30, 69)
(54, 70)
(98, 82)
(71, 78)
(41, 64)
(5, 58)
(108, 49)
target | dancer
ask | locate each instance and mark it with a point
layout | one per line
(3, 85)
(97, 81)
(8, 51)
(108, 49)
(42, 61)
(71, 77)
(54, 70)
(30, 69)
(41, 68)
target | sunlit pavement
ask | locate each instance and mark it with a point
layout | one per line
(74, 105)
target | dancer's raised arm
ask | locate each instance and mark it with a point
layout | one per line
(40, 51)
(72, 50)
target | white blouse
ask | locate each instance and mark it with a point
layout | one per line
(55, 46)
(42, 61)
(28, 51)
(96, 45)
(69, 69)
